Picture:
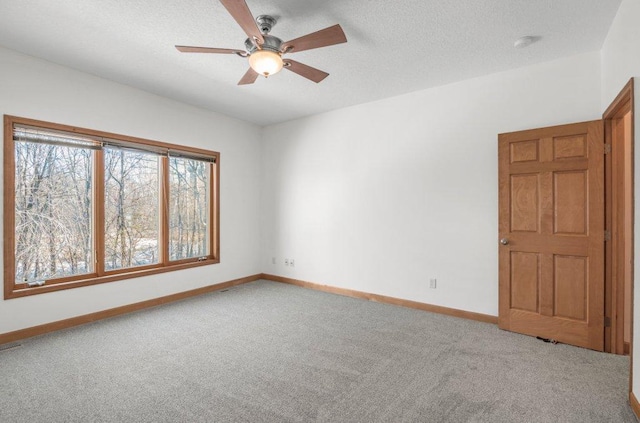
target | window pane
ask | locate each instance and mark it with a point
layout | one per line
(188, 208)
(53, 211)
(131, 208)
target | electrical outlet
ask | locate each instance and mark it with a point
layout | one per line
(286, 262)
(432, 283)
(273, 260)
(292, 263)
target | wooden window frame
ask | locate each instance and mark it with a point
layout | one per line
(13, 290)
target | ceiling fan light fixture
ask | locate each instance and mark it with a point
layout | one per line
(265, 62)
(265, 51)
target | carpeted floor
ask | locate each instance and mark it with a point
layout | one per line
(269, 352)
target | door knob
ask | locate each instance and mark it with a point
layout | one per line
(504, 241)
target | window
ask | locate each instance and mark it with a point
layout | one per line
(84, 207)
(131, 208)
(188, 181)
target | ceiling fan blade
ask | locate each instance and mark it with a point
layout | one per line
(190, 49)
(323, 38)
(241, 13)
(249, 77)
(316, 75)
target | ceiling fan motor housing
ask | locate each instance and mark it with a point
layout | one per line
(270, 43)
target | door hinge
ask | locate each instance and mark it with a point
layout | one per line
(607, 148)
(607, 235)
(607, 322)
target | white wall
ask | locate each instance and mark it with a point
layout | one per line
(620, 57)
(41, 90)
(620, 62)
(380, 197)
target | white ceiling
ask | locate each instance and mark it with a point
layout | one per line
(394, 47)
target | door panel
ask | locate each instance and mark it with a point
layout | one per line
(570, 287)
(570, 203)
(524, 151)
(524, 289)
(570, 147)
(524, 208)
(551, 219)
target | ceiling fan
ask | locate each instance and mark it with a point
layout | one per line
(265, 51)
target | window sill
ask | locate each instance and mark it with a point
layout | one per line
(51, 286)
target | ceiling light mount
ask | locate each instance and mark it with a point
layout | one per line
(265, 23)
(525, 41)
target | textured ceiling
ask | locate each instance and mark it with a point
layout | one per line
(394, 47)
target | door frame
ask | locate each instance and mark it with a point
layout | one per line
(615, 185)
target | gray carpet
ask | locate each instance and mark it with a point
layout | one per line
(268, 352)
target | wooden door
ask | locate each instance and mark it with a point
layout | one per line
(552, 234)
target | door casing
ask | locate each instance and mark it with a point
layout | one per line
(619, 253)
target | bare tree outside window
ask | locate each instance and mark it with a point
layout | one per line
(53, 211)
(188, 208)
(132, 224)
